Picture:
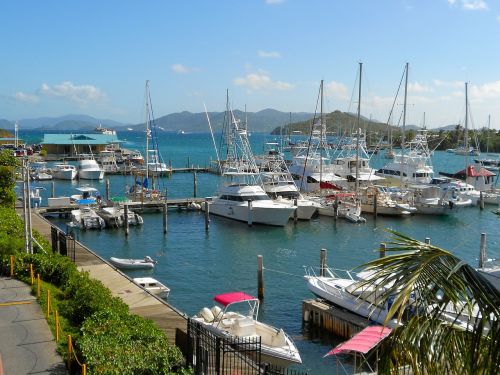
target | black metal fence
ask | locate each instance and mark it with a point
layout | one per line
(210, 354)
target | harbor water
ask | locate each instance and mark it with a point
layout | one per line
(197, 264)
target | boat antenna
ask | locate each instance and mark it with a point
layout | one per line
(359, 130)
(147, 127)
(466, 128)
(213, 139)
(404, 126)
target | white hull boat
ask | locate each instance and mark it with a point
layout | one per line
(86, 218)
(133, 264)
(277, 348)
(115, 216)
(64, 172)
(88, 169)
(87, 193)
(153, 286)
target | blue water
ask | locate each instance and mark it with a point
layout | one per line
(197, 264)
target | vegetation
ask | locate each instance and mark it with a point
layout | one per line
(8, 164)
(5, 134)
(433, 278)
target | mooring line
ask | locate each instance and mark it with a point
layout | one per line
(282, 272)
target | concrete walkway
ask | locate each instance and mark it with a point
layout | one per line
(26, 343)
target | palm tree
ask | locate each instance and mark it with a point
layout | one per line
(423, 280)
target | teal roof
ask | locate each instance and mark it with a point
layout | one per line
(79, 139)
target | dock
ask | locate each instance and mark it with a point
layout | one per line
(332, 319)
(140, 301)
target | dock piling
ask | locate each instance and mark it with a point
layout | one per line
(125, 214)
(107, 190)
(250, 213)
(295, 212)
(383, 247)
(207, 213)
(53, 195)
(481, 201)
(322, 262)
(165, 215)
(375, 203)
(482, 250)
(260, 277)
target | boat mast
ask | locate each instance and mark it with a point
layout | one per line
(404, 127)
(466, 128)
(321, 139)
(147, 128)
(356, 186)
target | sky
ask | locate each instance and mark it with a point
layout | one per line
(93, 57)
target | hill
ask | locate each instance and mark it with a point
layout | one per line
(76, 122)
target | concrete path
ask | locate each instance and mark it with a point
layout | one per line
(26, 343)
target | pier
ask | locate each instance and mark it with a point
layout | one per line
(172, 321)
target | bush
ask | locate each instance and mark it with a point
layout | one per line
(126, 344)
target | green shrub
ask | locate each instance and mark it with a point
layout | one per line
(126, 344)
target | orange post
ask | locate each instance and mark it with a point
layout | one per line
(70, 348)
(48, 303)
(32, 275)
(84, 369)
(57, 326)
(38, 286)
(12, 265)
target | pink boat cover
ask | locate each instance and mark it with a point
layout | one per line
(228, 298)
(363, 341)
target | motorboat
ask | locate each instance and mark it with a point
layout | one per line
(277, 348)
(88, 168)
(430, 200)
(85, 217)
(456, 188)
(342, 205)
(351, 293)
(87, 193)
(155, 166)
(153, 286)
(385, 204)
(133, 264)
(64, 171)
(40, 172)
(135, 157)
(107, 161)
(35, 196)
(114, 216)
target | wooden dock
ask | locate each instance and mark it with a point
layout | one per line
(332, 319)
(140, 301)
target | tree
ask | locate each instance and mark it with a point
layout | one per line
(423, 281)
(8, 164)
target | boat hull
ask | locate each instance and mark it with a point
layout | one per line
(275, 215)
(91, 174)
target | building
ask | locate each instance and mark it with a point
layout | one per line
(70, 145)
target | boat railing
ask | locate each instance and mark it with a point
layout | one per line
(336, 273)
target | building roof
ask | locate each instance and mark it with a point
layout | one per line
(79, 139)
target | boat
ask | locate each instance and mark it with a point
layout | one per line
(88, 168)
(385, 203)
(133, 264)
(64, 171)
(85, 217)
(135, 157)
(107, 161)
(35, 197)
(431, 200)
(114, 216)
(153, 286)
(351, 293)
(40, 172)
(277, 348)
(105, 131)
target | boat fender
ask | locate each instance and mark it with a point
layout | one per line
(217, 312)
(206, 314)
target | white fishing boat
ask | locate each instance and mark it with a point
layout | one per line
(88, 193)
(85, 217)
(153, 286)
(351, 293)
(64, 171)
(114, 216)
(39, 171)
(130, 264)
(277, 348)
(88, 168)
(431, 200)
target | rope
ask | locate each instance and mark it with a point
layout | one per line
(282, 272)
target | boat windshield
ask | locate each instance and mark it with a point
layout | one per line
(245, 198)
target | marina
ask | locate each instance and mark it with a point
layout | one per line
(197, 263)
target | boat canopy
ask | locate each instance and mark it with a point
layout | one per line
(363, 341)
(85, 201)
(86, 188)
(233, 297)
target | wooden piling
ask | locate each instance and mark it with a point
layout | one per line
(260, 277)
(375, 203)
(165, 213)
(53, 194)
(207, 215)
(195, 183)
(482, 250)
(295, 217)
(322, 262)
(481, 201)
(125, 214)
(250, 213)
(383, 247)
(107, 190)
(336, 207)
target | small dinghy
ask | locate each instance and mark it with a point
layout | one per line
(153, 286)
(147, 262)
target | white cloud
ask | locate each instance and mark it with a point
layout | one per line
(81, 94)
(451, 2)
(183, 69)
(337, 90)
(498, 18)
(269, 54)
(474, 5)
(418, 88)
(452, 84)
(489, 90)
(26, 98)
(261, 81)
(274, 2)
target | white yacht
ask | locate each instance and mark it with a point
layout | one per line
(64, 172)
(88, 168)
(114, 216)
(39, 171)
(85, 217)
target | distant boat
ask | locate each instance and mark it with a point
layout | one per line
(130, 129)
(180, 131)
(105, 131)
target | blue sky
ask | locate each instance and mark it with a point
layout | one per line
(93, 57)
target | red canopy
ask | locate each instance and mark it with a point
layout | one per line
(363, 341)
(228, 298)
(328, 185)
